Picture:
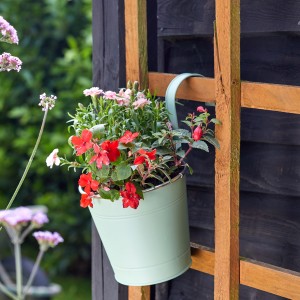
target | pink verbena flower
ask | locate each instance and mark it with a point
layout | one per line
(8, 32)
(93, 91)
(47, 102)
(110, 95)
(47, 239)
(53, 159)
(39, 219)
(17, 217)
(9, 62)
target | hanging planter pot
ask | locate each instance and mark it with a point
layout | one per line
(151, 244)
(125, 143)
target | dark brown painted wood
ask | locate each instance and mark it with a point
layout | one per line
(194, 18)
(108, 74)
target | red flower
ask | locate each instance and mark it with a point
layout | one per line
(201, 109)
(144, 157)
(86, 199)
(197, 134)
(130, 197)
(82, 143)
(100, 158)
(128, 137)
(112, 150)
(86, 180)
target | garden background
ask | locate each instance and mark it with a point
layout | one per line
(55, 46)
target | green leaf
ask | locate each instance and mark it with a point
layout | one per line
(121, 172)
(111, 194)
(180, 153)
(103, 172)
(216, 121)
(200, 145)
(212, 141)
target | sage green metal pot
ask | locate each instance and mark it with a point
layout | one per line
(150, 244)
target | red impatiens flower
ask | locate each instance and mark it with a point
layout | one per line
(82, 143)
(128, 137)
(112, 150)
(197, 134)
(87, 198)
(144, 156)
(86, 180)
(130, 197)
(100, 157)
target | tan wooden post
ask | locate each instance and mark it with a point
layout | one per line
(136, 41)
(136, 70)
(227, 163)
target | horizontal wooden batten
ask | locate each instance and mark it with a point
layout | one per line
(265, 277)
(276, 97)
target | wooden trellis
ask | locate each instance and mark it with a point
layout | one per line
(230, 94)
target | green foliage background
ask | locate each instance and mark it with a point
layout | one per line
(55, 47)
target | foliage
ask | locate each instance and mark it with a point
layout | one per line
(55, 47)
(124, 143)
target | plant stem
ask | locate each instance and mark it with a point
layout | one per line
(18, 266)
(29, 161)
(4, 289)
(33, 272)
(4, 275)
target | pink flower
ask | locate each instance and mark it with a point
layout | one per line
(47, 239)
(17, 217)
(39, 219)
(53, 159)
(141, 102)
(9, 33)
(47, 102)
(197, 134)
(110, 95)
(100, 157)
(94, 91)
(123, 98)
(201, 109)
(9, 62)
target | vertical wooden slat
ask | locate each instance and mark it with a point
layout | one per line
(136, 70)
(136, 41)
(228, 102)
(142, 293)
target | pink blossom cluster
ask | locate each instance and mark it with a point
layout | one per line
(9, 33)
(48, 239)
(47, 102)
(22, 216)
(9, 62)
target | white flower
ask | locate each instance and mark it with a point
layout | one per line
(53, 159)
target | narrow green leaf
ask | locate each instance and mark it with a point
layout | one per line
(216, 121)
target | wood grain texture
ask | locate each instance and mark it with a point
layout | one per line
(195, 17)
(136, 41)
(265, 96)
(255, 274)
(227, 161)
(139, 293)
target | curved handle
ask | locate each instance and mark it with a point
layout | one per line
(171, 93)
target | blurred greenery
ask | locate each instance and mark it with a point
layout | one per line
(56, 48)
(73, 288)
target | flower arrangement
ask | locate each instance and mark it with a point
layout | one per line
(19, 222)
(124, 143)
